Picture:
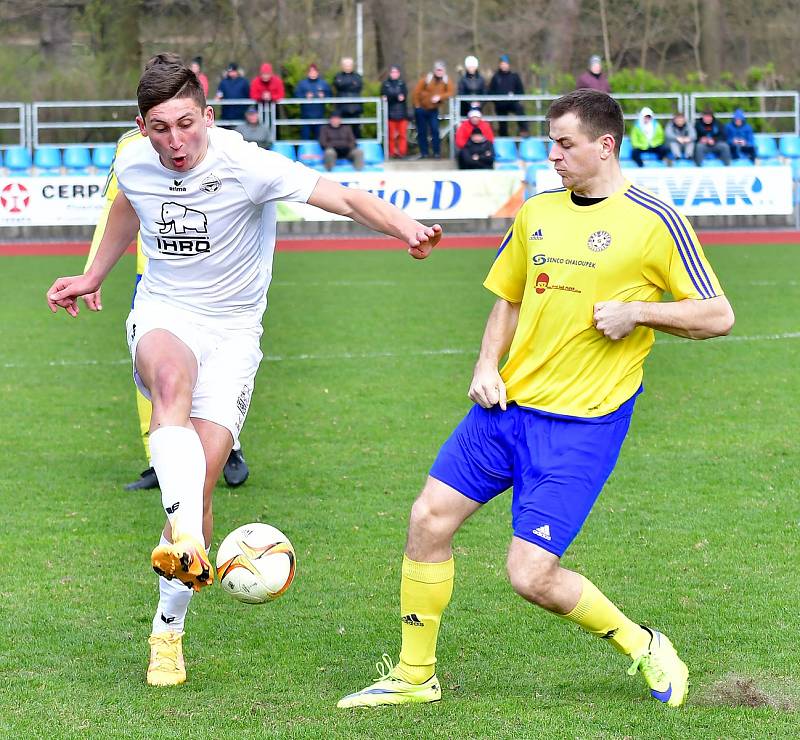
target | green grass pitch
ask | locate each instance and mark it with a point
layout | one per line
(368, 357)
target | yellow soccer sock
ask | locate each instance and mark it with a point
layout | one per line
(596, 614)
(425, 591)
(145, 409)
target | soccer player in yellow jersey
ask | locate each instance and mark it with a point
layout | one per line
(579, 280)
(236, 470)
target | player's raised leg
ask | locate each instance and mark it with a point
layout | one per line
(425, 591)
(538, 577)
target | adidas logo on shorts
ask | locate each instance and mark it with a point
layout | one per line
(543, 532)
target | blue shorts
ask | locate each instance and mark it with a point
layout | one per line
(557, 466)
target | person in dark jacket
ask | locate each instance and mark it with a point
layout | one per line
(506, 82)
(471, 83)
(231, 87)
(395, 91)
(339, 142)
(474, 140)
(710, 138)
(348, 84)
(740, 137)
(313, 88)
(593, 77)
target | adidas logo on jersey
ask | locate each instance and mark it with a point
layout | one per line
(413, 620)
(543, 532)
(536, 235)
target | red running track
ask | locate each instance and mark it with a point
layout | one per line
(360, 243)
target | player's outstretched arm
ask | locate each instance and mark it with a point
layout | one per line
(121, 230)
(379, 215)
(487, 387)
(689, 318)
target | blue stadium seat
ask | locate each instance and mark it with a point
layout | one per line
(627, 163)
(766, 146)
(18, 160)
(796, 169)
(505, 154)
(532, 169)
(103, 156)
(47, 160)
(343, 165)
(625, 149)
(683, 163)
(310, 153)
(789, 146)
(284, 147)
(373, 156)
(650, 162)
(771, 162)
(714, 161)
(532, 150)
(77, 160)
(741, 162)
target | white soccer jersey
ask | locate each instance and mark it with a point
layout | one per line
(209, 233)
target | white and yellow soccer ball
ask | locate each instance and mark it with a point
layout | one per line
(256, 563)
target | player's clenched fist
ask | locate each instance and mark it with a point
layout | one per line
(616, 319)
(424, 240)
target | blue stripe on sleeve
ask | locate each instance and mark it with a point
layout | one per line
(701, 289)
(689, 242)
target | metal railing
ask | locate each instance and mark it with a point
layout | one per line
(763, 100)
(8, 112)
(278, 114)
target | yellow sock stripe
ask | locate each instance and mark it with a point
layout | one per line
(428, 572)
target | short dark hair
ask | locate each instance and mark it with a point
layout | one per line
(166, 76)
(597, 112)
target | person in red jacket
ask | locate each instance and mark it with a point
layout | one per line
(267, 87)
(474, 140)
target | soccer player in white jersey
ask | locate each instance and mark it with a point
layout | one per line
(204, 202)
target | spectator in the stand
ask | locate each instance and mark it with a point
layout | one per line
(593, 77)
(233, 86)
(680, 136)
(253, 130)
(710, 138)
(740, 137)
(348, 84)
(339, 142)
(471, 83)
(396, 93)
(506, 82)
(475, 143)
(197, 68)
(267, 87)
(430, 93)
(313, 88)
(647, 135)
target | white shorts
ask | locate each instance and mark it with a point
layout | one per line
(227, 360)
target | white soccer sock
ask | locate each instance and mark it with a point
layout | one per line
(180, 465)
(173, 603)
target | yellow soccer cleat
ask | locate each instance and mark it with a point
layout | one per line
(166, 659)
(666, 674)
(389, 689)
(185, 559)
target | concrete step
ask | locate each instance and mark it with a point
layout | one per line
(418, 165)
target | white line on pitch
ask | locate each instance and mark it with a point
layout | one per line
(389, 354)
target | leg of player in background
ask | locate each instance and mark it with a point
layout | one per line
(538, 577)
(425, 591)
(148, 479)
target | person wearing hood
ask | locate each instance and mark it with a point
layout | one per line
(740, 137)
(396, 93)
(267, 87)
(593, 77)
(471, 83)
(710, 138)
(430, 92)
(647, 135)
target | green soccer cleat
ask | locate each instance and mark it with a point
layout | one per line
(666, 674)
(389, 689)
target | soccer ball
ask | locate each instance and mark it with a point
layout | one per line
(256, 563)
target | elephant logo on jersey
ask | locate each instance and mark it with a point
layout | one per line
(178, 219)
(599, 241)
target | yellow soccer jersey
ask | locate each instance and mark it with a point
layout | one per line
(558, 260)
(110, 192)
